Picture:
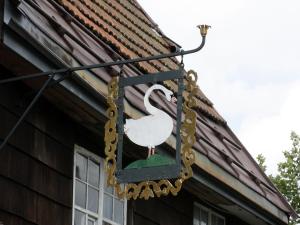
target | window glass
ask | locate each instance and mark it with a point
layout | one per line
(204, 217)
(113, 206)
(108, 189)
(118, 211)
(91, 221)
(80, 195)
(221, 221)
(105, 223)
(93, 199)
(93, 204)
(81, 167)
(214, 220)
(94, 174)
(79, 218)
(196, 216)
(108, 207)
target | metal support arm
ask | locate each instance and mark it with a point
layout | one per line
(67, 72)
(203, 31)
(29, 107)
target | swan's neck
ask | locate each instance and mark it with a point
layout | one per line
(150, 108)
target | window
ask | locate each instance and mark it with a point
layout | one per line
(94, 203)
(205, 216)
(113, 210)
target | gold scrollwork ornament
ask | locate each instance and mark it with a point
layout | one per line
(150, 189)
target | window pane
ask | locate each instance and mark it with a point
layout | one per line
(80, 194)
(107, 206)
(213, 220)
(93, 199)
(105, 223)
(94, 173)
(81, 167)
(119, 211)
(79, 218)
(204, 217)
(216, 220)
(91, 221)
(196, 216)
(221, 221)
(108, 189)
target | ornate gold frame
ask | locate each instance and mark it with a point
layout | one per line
(147, 189)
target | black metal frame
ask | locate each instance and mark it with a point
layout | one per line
(149, 173)
(108, 64)
(68, 72)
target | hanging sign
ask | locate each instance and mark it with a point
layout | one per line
(157, 174)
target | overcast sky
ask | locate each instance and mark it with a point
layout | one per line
(249, 68)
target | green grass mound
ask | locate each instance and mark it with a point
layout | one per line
(154, 160)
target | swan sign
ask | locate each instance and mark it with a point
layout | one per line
(154, 129)
(138, 150)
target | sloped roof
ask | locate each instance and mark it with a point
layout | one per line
(125, 27)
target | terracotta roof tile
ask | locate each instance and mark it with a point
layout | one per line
(132, 8)
(123, 25)
(132, 22)
(134, 44)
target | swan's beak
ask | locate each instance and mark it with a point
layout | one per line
(173, 99)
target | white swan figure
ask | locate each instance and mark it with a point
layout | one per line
(154, 129)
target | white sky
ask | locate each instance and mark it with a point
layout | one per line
(249, 68)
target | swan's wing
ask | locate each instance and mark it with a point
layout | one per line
(149, 130)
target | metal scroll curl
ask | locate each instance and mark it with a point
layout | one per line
(150, 189)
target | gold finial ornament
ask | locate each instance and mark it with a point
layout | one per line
(203, 29)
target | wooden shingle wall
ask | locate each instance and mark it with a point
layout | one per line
(36, 167)
(164, 211)
(171, 210)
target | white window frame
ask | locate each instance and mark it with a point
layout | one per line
(210, 213)
(99, 216)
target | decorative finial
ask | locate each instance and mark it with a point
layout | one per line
(203, 29)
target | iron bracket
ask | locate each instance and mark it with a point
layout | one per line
(68, 72)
